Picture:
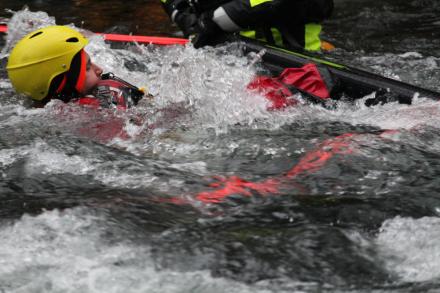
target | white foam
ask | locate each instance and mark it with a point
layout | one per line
(45, 159)
(194, 167)
(41, 158)
(67, 251)
(9, 156)
(410, 247)
(422, 112)
(411, 55)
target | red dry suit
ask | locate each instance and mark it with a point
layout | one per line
(311, 80)
(110, 93)
(113, 92)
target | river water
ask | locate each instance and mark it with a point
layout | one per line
(202, 189)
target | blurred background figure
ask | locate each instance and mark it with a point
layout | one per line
(290, 24)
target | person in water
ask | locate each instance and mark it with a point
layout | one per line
(51, 63)
(287, 23)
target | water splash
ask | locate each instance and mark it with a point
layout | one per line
(22, 23)
(207, 88)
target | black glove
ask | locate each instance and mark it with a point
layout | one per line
(187, 22)
(208, 32)
(182, 14)
(203, 29)
(172, 7)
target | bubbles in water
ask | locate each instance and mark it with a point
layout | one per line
(78, 250)
(410, 247)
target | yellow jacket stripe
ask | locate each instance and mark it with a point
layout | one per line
(254, 3)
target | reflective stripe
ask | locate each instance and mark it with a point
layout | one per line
(173, 15)
(275, 34)
(312, 40)
(222, 19)
(277, 37)
(248, 34)
(254, 3)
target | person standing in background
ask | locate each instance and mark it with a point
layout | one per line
(286, 23)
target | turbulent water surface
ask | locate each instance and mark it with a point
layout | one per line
(202, 189)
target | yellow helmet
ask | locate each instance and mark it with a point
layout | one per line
(42, 55)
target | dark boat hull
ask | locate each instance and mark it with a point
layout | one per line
(353, 82)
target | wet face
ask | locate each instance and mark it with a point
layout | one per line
(93, 76)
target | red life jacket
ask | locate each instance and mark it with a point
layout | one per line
(89, 101)
(112, 92)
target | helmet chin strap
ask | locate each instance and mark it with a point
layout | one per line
(62, 85)
(66, 95)
(80, 82)
(72, 82)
